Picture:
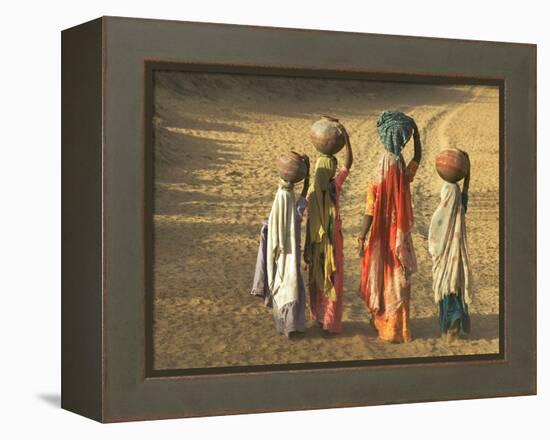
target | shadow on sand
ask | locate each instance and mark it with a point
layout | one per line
(483, 327)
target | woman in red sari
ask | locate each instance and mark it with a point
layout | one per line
(388, 256)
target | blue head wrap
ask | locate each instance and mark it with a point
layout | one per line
(395, 130)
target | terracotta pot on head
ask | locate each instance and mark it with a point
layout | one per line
(452, 165)
(327, 136)
(291, 167)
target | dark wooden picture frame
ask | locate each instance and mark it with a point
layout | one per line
(107, 67)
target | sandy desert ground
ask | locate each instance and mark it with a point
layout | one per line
(216, 141)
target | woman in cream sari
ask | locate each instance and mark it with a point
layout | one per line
(284, 281)
(452, 279)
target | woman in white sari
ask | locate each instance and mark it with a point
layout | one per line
(285, 283)
(452, 279)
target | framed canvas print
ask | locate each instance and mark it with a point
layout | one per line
(262, 219)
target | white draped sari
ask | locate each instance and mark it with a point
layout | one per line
(282, 250)
(448, 247)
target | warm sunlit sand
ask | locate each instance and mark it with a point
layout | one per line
(216, 141)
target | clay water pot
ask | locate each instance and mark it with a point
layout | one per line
(291, 167)
(452, 165)
(326, 135)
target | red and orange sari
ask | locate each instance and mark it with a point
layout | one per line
(389, 259)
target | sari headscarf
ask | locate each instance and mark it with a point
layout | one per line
(389, 258)
(448, 246)
(282, 250)
(395, 130)
(322, 213)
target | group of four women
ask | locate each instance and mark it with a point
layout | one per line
(388, 257)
